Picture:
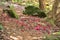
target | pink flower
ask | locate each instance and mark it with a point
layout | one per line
(30, 21)
(23, 19)
(17, 21)
(48, 26)
(6, 18)
(37, 27)
(48, 32)
(44, 28)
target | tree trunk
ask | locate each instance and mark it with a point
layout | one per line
(55, 15)
(41, 4)
(54, 9)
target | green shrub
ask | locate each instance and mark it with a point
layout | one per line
(51, 38)
(11, 12)
(34, 11)
(41, 14)
(1, 27)
(30, 10)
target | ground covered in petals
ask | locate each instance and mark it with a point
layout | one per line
(24, 28)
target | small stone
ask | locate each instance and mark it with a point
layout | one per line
(20, 37)
(15, 38)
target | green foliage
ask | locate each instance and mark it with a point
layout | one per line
(57, 33)
(30, 10)
(51, 38)
(51, 21)
(16, 1)
(41, 14)
(11, 12)
(1, 27)
(34, 11)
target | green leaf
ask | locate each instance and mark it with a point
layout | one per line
(12, 12)
(58, 33)
(1, 27)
